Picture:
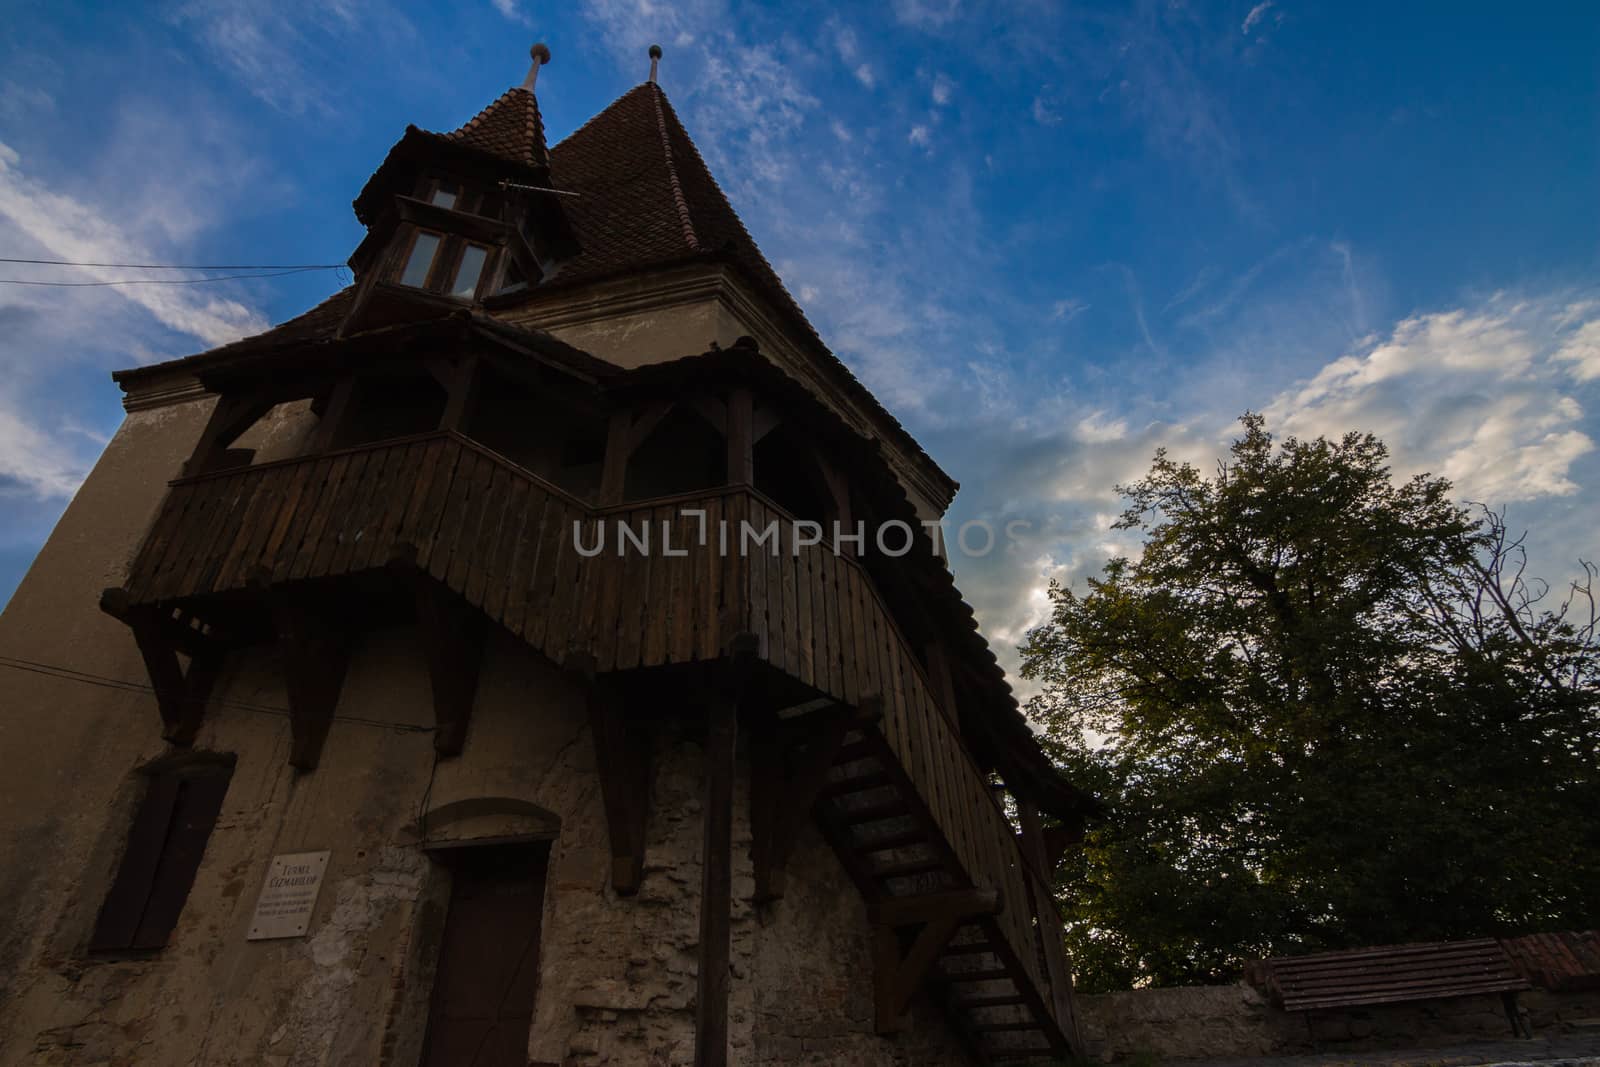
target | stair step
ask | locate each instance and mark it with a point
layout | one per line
(968, 948)
(894, 809)
(1019, 1053)
(842, 787)
(992, 1000)
(901, 839)
(992, 1028)
(908, 867)
(988, 974)
(856, 750)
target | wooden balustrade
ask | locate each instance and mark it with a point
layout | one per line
(523, 552)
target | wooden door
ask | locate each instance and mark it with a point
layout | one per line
(489, 962)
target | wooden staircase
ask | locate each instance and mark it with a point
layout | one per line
(934, 929)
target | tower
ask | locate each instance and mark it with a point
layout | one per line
(547, 662)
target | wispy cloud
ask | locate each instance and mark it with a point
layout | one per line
(1255, 16)
(1067, 309)
(75, 230)
(926, 14)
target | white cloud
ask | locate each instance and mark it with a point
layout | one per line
(1256, 14)
(926, 14)
(864, 75)
(289, 53)
(1068, 309)
(1582, 350)
(1044, 113)
(1473, 394)
(512, 10)
(942, 89)
(73, 230)
(21, 103)
(35, 464)
(920, 135)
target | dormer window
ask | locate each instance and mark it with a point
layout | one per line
(470, 269)
(419, 263)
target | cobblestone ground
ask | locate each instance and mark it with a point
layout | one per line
(1569, 1050)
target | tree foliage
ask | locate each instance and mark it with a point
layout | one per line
(1325, 709)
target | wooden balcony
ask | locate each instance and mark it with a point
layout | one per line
(898, 795)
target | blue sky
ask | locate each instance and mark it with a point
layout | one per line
(1052, 237)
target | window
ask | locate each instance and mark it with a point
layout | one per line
(472, 260)
(420, 262)
(168, 837)
(443, 195)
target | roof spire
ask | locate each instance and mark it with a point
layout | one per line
(540, 55)
(655, 61)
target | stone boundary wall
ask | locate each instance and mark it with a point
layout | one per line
(1206, 1022)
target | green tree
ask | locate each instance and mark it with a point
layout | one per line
(1325, 709)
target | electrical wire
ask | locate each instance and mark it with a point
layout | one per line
(177, 266)
(164, 281)
(69, 674)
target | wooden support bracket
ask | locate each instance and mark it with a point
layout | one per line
(315, 655)
(622, 758)
(452, 633)
(181, 694)
(901, 960)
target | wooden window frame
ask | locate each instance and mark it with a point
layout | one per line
(446, 262)
(167, 839)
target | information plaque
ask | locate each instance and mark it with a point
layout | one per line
(288, 895)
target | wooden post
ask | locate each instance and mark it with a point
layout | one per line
(333, 415)
(462, 390)
(614, 476)
(716, 871)
(1033, 845)
(716, 884)
(741, 440)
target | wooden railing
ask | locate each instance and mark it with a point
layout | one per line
(559, 574)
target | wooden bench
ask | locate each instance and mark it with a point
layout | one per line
(1392, 974)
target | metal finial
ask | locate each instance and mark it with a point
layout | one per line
(540, 56)
(655, 60)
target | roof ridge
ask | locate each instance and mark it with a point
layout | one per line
(672, 173)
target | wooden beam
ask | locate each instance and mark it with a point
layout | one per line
(741, 437)
(614, 475)
(897, 977)
(622, 760)
(462, 391)
(716, 868)
(1032, 836)
(315, 656)
(452, 635)
(643, 426)
(231, 416)
(716, 885)
(333, 416)
(181, 694)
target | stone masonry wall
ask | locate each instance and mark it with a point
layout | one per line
(1203, 1022)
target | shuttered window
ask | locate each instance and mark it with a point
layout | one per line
(166, 842)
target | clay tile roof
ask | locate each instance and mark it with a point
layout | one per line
(648, 200)
(510, 129)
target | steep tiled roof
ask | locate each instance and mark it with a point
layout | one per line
(649, 200)
(510, 129)
(320, 326)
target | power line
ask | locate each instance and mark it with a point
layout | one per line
(176, 266)
(70, 674)
(165, 281)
